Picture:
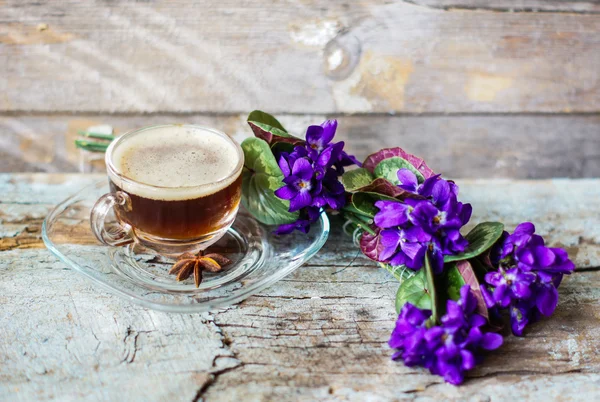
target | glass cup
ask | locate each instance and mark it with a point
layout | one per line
(153, 203)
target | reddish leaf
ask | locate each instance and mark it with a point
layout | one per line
(270, 137)
(385, 187)
(466, 271)
(370, 245)
(385, 153)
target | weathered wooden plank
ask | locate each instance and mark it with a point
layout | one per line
(336, 347)
(529, 146)
(190, 56)
(75, 343)
(571, 6)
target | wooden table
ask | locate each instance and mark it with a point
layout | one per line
(319, 334)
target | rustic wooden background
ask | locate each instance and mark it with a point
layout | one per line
(480, 88)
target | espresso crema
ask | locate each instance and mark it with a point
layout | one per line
(178, 158)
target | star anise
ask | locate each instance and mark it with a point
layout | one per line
(188, 264)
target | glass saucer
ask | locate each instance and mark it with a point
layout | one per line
(259, 259)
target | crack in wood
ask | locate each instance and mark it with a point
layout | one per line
(227, 341)
(461, 6)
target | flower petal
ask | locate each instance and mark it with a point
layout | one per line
(412, 250)
(284, 165)
(329, 127)
(547, 300)
(391, 213)
(440, 192)
(453, 375)
(408, 180)
(302, 169)
(525, 228)
(314, 136)
(303, 199)
(491, 341)
(544, 256)
(468, 360)
(286, 192)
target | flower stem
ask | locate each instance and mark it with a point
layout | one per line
(358, 213)
(359, 222)
(431, 290)
(91, 146)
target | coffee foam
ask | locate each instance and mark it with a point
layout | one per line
(177, 159)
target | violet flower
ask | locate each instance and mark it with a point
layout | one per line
(449, 349)
(317, 140)
(432, 221)
(311, 176)
(527, 276)
(299, 182)
(318, 137)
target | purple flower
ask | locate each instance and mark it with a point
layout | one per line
(527, 276)
(437, 215)
(318, 137)
(298, 183)
(449, 349)
(408, 336)
(311, 176)
(510, 285)
(411, 243)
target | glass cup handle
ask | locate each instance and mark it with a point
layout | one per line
(117, 235)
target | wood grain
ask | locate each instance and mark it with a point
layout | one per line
(530, 146)
(189, 56)
(319, 334)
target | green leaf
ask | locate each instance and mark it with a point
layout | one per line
(414, 290)
(365, 202)
(481, 239)
(388, 169)
(258, 116)
(455, 281)
(355, 179)
(273, 130)
(260, 178)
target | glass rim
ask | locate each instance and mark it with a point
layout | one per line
(110, 166)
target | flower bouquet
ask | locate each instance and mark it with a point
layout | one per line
(455, 291)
